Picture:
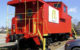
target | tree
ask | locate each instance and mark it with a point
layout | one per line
(78, 28)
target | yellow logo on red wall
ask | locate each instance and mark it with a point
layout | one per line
(53, 15)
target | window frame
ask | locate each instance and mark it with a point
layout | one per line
(64, 8)
(59, 5)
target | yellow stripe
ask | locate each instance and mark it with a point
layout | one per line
(44, 44)
(45, 35)
(34, 27)
(74, 32)
(40, 35)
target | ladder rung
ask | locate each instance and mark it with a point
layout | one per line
(22, 13)
(27, 19)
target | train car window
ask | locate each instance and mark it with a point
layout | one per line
(19, 16)
(57, 5)
(29, 11)
(62, 20)
(64, 9)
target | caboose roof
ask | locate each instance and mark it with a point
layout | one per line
(13, 3)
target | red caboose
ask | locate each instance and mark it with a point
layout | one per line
(36, 19)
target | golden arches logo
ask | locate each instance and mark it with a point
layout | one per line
(54, 14)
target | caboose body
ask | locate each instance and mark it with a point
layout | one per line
(36, 19)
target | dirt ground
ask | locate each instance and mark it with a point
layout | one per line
(2, 38)
(54, 46)
(60, 45)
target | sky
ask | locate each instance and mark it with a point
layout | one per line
(73, 10)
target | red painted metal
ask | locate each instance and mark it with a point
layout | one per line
(49, 28)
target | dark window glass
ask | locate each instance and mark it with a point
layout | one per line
(29, 11)
(62, 20)
(64, 9)
(19, 16)
(57, 5)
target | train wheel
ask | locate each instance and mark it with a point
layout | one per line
(67, 36)
(48, 41)
(12, 38)
(21, 43)
(27, 44)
